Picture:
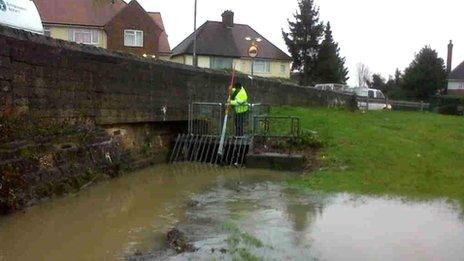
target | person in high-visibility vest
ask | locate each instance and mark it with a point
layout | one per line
(239, 100)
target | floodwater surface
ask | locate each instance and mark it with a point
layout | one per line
(270, 221)
(229, 214)
(114, 219)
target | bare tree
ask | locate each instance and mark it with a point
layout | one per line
(364, 75)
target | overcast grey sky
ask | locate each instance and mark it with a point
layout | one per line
(383, 34)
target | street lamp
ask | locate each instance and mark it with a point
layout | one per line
(253, 50)
(195, 63)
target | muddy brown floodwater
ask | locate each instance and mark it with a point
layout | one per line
(229, 214)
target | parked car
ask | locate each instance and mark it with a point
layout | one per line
(21, 14)
(372, 99)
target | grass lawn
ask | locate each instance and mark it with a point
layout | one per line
(410, 154)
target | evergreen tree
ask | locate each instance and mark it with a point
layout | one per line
(378, 82)
(425, 75)
(303, 40)
(393, 88)
(330, 67)
(398, 77)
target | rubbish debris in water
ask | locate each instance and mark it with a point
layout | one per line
(177, 241)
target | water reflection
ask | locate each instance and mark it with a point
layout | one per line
(301, 226)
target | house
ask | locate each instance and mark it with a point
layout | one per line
(456, 81)
(456, 76)
(222, 44)
(114, 25)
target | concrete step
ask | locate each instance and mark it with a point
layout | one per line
(276, 161)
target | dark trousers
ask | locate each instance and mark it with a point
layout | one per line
(240, 120)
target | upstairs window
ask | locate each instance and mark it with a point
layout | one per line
(221, 63)
(133, 38)
(84, 36)
(261, 66)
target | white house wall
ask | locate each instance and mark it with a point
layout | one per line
(241, 65)
(456, 87)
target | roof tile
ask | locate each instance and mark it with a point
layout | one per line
(213, 38)
(458, 72)
(78, 12)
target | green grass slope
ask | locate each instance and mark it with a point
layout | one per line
(395, 153)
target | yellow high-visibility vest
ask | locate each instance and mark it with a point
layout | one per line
(241, 101)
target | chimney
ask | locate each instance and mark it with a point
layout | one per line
(228, 19)
(449, 62)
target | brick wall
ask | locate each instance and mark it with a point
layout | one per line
(55, 80)
(133, 17)
(456, 92)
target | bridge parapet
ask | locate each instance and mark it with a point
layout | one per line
(58, 80)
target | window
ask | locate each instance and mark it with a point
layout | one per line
(261, 66)
(380, 95)
(371, 94)
(133, 38)
(282, 68)
(221, 63)
(84, 36)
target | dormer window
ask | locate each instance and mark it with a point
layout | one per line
(133, 38)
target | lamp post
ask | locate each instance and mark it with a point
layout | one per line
(253, 51)
(195, 63)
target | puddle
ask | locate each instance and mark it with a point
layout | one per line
(228, 221)
(229, 214)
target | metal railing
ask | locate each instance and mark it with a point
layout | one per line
(207, 118)
(365, 103)
(203, 141)
(408, 105)
(276, 126)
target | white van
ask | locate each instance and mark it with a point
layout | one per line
(372, 99)
(331, 87)
(21, 14)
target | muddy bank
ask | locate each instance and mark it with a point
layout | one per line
(298, 154)
(40, 160)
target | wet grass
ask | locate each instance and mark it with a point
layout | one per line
(410, 154)
(240, 243)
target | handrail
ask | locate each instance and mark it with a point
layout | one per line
(207, 103)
